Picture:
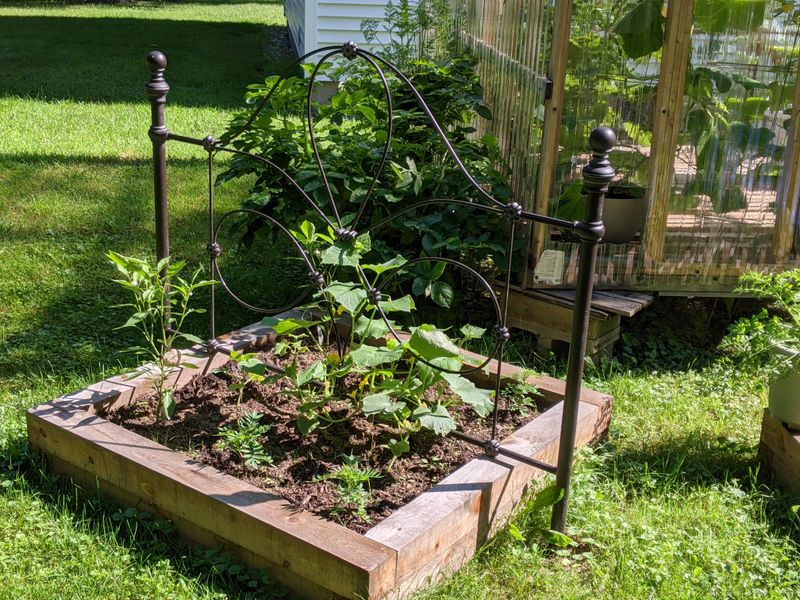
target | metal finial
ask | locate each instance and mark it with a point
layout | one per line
(156, 61)
(599, 169)
(602, 140)
(157, 88)
(350, 50)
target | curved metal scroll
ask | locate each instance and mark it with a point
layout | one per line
(597, 176)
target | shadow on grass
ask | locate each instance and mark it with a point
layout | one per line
(149, 538)
(58, 298)
(135, 3)
(694, 461)
(676, 334)
(91, 60)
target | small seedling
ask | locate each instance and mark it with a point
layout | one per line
(352, 487)
(520, 395)
(243, 439)
(290, 345)
(253, 371)
(432, 462)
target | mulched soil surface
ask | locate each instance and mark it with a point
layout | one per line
(206, 404)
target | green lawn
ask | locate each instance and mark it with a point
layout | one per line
(672, 506)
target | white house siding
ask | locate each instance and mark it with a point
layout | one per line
(317, 23)
(295, 11)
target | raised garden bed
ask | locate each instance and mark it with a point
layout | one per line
(434, 533)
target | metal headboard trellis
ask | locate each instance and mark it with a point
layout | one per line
(597, 175)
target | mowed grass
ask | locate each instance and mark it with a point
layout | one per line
(76, 181)
(673, 505)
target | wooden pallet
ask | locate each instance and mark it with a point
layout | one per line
(548, 314)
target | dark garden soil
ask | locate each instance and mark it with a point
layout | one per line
(206, 404)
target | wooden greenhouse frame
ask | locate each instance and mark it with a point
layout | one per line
(521, 65)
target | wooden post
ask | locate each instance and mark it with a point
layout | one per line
(552, 127)
(788, 193)
(666, 127)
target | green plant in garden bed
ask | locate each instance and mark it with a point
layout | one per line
(769, 339)
(352, 487)
(160, 306)
(252, 369)
(243, 438)
(393, 376)
(400, 382)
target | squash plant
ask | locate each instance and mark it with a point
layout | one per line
(400, 382)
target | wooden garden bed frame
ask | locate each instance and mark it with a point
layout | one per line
(432, 535)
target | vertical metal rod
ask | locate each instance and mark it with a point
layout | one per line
(596, 177)
(157, 89)
(502, 330)
(213, 250)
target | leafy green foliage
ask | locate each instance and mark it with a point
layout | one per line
(244, 440)
(160, 305)
(400, 382)
(724, 16)
(766, 338)
(642, 28)
(252, 368)
(351, 129)
(520, 395)
(610, 42)
(725, 131)
(352, 489)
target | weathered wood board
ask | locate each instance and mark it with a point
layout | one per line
(432, 535)
(549, 313)
(779, 451)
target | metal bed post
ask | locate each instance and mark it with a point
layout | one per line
(157, 89)
(596, 177)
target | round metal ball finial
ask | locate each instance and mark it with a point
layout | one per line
(350, 50)
(602, 139)
(156, 60)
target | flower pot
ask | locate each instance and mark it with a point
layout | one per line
(784, 393)
(623, 213)
(784, 399)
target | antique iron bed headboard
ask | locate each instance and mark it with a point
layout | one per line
(597, 175)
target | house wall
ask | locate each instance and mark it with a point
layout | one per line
(295, 11)
(318, 23)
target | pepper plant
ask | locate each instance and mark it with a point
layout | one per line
(160, 301)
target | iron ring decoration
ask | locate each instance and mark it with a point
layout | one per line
(313, 137)
(372, 59)
(285, 175)
(267, 311)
